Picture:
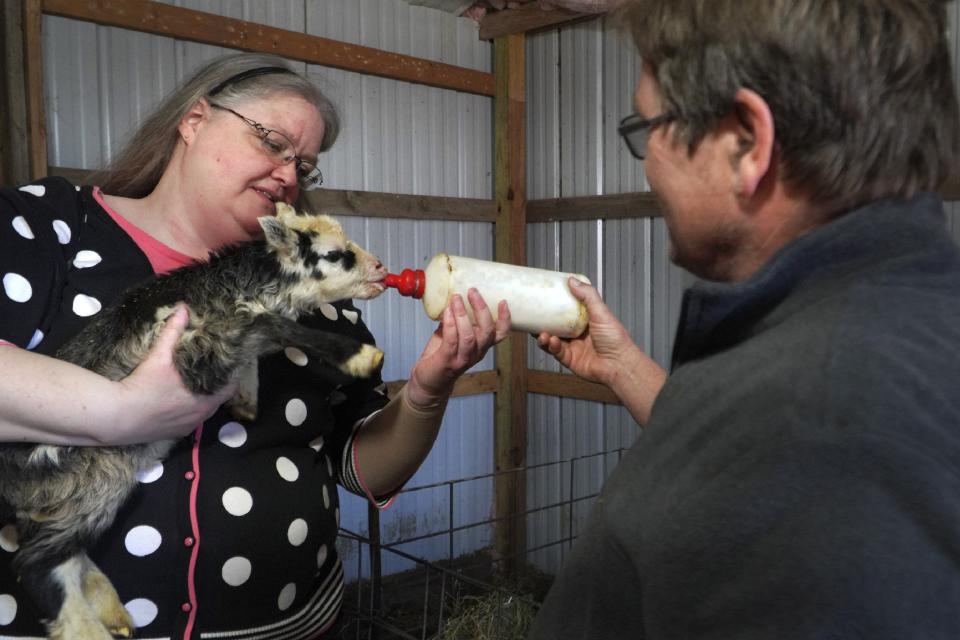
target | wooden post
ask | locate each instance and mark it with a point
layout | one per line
(33, 66)
(510, 195)
(14, 159)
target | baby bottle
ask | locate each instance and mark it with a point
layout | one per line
(539, 299)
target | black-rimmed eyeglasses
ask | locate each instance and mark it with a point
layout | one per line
(635, 131)
(281, 150)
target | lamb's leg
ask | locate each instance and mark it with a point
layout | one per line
(350, 356)
(103, 599)
(58, 592)
(207, 361)
(80, 503)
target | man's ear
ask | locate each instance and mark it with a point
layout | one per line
(756, 141)
(192, 119)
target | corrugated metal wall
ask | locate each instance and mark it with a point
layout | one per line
(406, 138)
(580, 84)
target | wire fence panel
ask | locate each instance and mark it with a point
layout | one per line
(462, 595)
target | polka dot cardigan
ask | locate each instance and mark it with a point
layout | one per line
(233, 534)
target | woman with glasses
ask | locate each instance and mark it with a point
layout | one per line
(234, 533)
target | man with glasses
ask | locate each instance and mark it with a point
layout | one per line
(797, 472)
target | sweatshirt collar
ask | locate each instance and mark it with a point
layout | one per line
(718, 313)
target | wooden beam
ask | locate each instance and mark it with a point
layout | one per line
(208, 28)
(391, 205)
(14, 153)
(527, 19)
(370, 204)
(33, 67)
(76, 176)
(510, 421)
(621, 205)
(373, 204)
(469, 384)
(636, 205)
(568, 386)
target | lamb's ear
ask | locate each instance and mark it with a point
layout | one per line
(285, 212)
(275, 233)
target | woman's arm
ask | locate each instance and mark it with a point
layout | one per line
(50, 401)
(395, 441)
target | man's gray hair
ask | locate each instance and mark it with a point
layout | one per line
(861, 91)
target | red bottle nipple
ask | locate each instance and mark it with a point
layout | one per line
(410, 282)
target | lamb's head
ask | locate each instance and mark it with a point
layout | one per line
(327, 265)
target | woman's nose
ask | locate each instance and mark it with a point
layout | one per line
(286, 174)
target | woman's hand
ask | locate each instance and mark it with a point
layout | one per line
(153, 402)
(606, 353)
(454, 347)
(51, 401)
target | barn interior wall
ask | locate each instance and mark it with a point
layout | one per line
(399, 137)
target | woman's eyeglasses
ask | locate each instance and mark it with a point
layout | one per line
(281, 149)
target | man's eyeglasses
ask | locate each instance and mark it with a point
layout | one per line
(281, 150)
(636, 132)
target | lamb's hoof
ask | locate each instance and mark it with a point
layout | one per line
(363, 363)
(121, 632)
(99, 593)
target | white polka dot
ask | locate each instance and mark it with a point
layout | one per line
(296, 412)
(287, 595)
(322, 556)
(329, 466)
(326, 497)
(84, 305)
(16, 287)
(142, 611)
(237, 501)
(329, 311)
(8, 609)
(236, 571)
(86, 259)
(142, 541)
(336, 515)
(21, 226)
(9, 538)
(317, 443)
(36, 189)
(296, 356)
(151, 473)
(287, 470)
(62, 229)
(232, 434)
(77, 187)
(350, 315)
(297, 532)
(36, 339)
(381, 388)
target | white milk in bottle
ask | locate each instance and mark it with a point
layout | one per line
(539, 299)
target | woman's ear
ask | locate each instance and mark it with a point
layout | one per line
(192, 120)
(756, 141)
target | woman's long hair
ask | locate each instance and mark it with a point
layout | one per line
(136, 170)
